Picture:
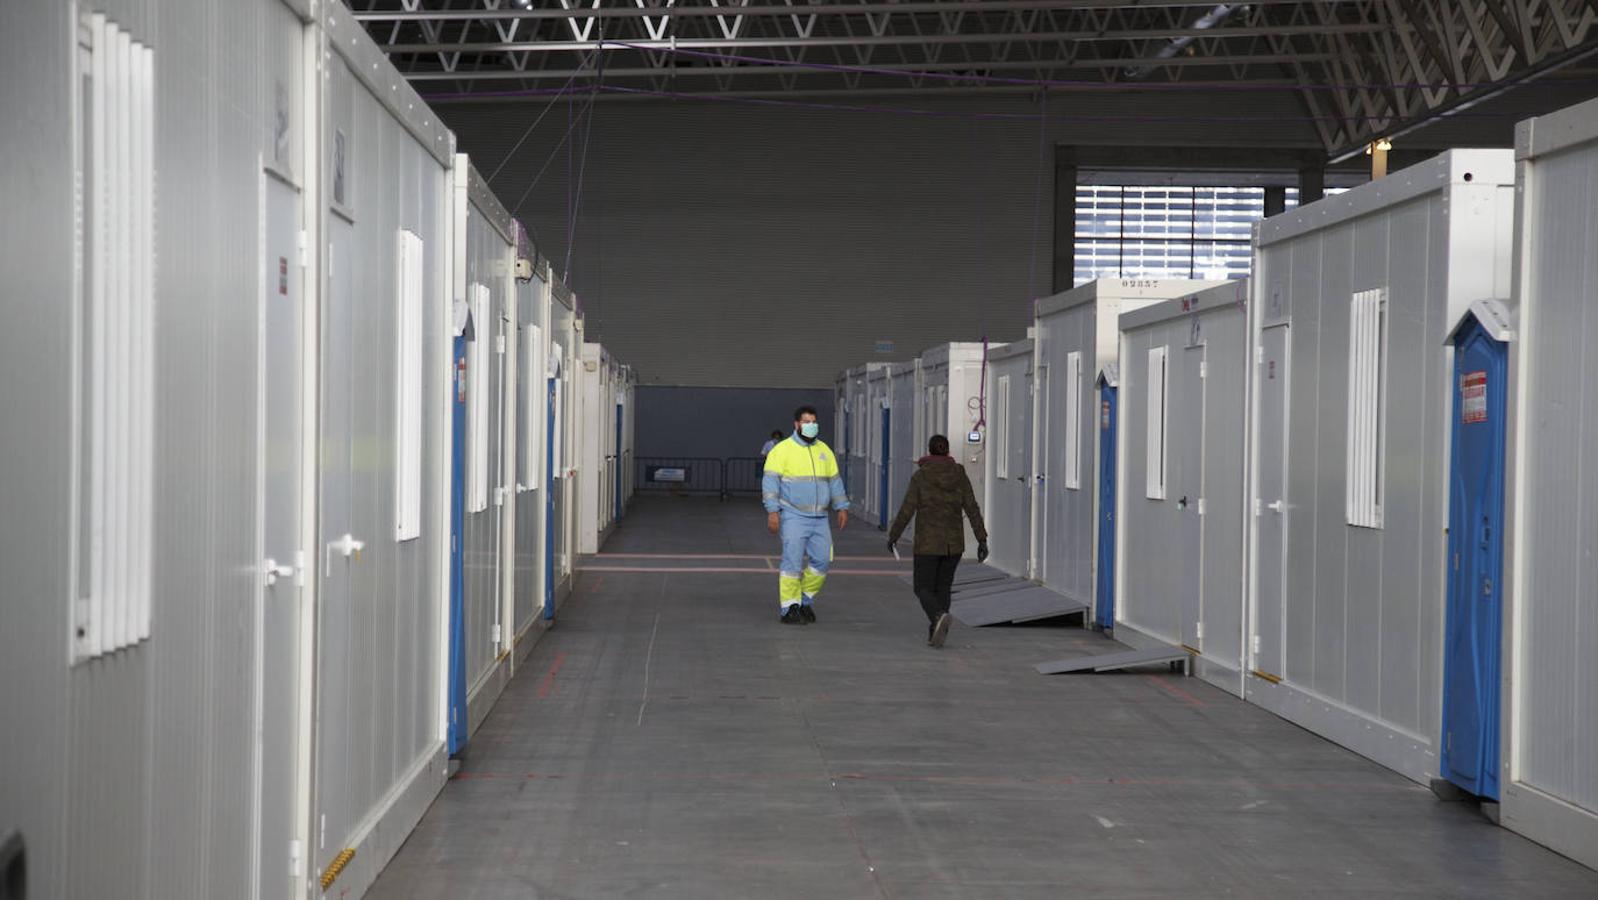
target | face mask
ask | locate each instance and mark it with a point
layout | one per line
(809, 430)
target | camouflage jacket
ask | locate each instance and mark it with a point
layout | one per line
(939, 492)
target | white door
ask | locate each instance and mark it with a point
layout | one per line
(1186, 457)
(281, 480)
(334, 769)
(1271, 511)
(1041, 502)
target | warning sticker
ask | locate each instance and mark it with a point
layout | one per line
(1473, 398)
(1104, 415)
(460, 380)
(283, 275)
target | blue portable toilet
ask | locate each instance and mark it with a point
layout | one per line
(1474, 610)
(1104, 580)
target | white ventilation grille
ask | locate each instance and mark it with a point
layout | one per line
(114, 403)
(1367, 406)
(1073, 421)
(1158, 385)
(408, 390)
(477, 356)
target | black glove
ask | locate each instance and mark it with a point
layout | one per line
(893, 547)
(982, 553)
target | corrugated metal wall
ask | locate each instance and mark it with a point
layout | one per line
(490, 256)
(903, 450)
(161, 732)
(1206, 426)
(378, 691)
(1009, 512)
(1554, 707)
(1364, 605)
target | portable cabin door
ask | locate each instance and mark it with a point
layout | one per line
(1473, 627)
(1104, 588)
(458, 726)
(1271, 510)
(281, 487)
(1187, 475)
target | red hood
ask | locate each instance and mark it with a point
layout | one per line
(930, 460)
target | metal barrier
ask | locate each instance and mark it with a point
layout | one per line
(680, 475)
(742, 475)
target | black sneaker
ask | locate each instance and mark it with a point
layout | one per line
(940, 630)
(807, 612)
(792, 616)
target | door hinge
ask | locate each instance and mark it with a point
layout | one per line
(296, 860)
(1201, 506)
(302, 244)
(499, 344)
(1198, 630)
(1204, 369)
(1254, 642)
(1256, 506)
(494, 634)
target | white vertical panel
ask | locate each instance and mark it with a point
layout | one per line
(113, 607)
(1366, 386)
(408, 388)
(1001, 434)
(1073, 421)
(1154, 456)
(477, 400)
(533, 415)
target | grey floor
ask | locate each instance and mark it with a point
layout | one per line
(670, 739)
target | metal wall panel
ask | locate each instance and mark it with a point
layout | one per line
(161, 731)
(532, 300)
(1364, 606)
(1009, 512)
(485, 256)
(1084, 321)
(904, 450)
(1158, 582)
(1551, 710)
(381, 616)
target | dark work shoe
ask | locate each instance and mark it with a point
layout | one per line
(792, 616)
(940, 631)
(808, 612)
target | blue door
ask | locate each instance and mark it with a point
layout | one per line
(882, 477)
(617, 492)
(552, 440)
(457, 573)
(1475, 563)
(1104, 590)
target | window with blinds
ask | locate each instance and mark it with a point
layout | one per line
(1367, 406)
(1158, 387)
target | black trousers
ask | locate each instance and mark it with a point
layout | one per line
(934, 582)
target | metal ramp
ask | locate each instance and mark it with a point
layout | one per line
(1109, 662)
(969, 576)
(988, 588)
(1025, 604)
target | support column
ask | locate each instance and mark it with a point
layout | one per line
(1064, 221)
(1311, 184)
(1275, 201)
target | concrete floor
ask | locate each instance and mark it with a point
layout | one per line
(670, 739)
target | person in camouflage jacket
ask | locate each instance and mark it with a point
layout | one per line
(938, 494)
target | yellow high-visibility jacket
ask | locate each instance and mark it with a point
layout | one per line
(802, 478)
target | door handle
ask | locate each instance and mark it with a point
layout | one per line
(1276, 506)
(272, 570)
(346, 546)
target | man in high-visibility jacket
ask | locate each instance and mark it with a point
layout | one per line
(801, 484)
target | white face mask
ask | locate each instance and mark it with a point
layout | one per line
(809, 430)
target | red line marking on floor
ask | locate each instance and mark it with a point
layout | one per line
(723, 556)
(548, 684)
(1175, 691)
(733, 570)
